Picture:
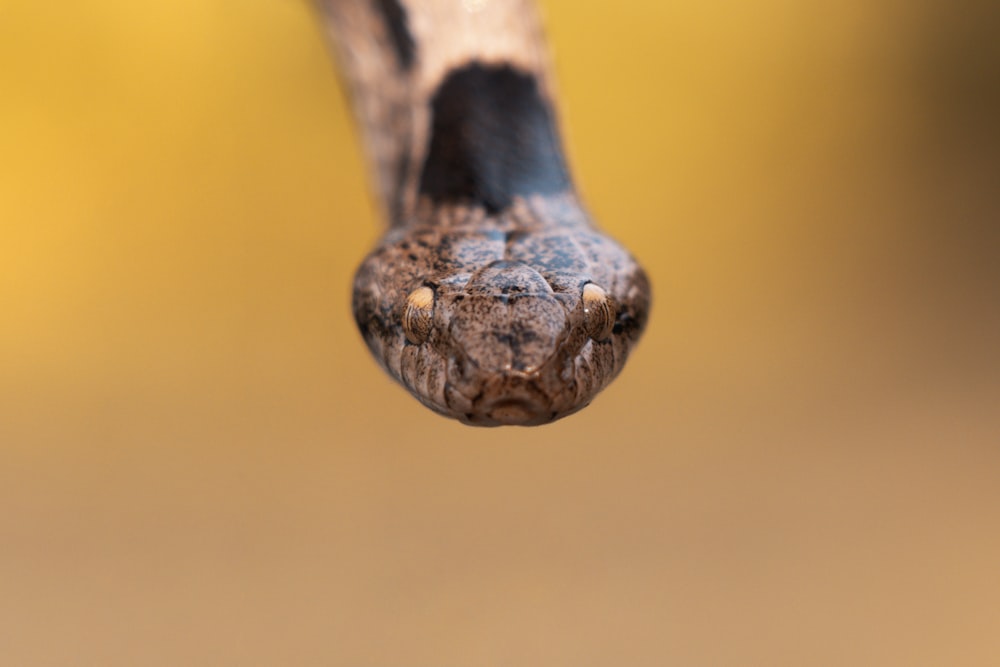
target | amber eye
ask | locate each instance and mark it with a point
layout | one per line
(598, 312)
(418, 315)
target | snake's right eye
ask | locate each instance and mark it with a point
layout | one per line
(418, 315)
(598, 311)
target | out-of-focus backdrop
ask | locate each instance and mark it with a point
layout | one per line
(201, 465)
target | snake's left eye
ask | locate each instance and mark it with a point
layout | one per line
(418, 315)
(598, 312)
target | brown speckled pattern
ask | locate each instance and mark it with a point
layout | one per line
(508, 344)
(508, 341)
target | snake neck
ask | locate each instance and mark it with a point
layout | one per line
(455, 101)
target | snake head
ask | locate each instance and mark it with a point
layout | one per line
(496, 327)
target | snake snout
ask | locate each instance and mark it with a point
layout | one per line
(511, 400)
(517, 412)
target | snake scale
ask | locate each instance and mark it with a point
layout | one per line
(492, 296)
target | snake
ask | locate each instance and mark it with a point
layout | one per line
(492, 295)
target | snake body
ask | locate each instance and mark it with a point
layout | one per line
(492, 296)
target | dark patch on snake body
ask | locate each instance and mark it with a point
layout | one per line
(396, 21)
(493, 138)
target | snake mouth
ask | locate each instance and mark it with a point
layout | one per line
(514, 412)
(510, 400)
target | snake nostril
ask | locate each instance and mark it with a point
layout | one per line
(458, 368)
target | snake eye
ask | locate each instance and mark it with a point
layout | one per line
(598, 312)
(417, 314)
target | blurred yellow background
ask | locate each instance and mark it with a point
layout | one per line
(201, 464)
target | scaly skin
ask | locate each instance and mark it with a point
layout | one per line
(492, 296)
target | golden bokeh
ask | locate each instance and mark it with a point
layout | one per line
(201, 464)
